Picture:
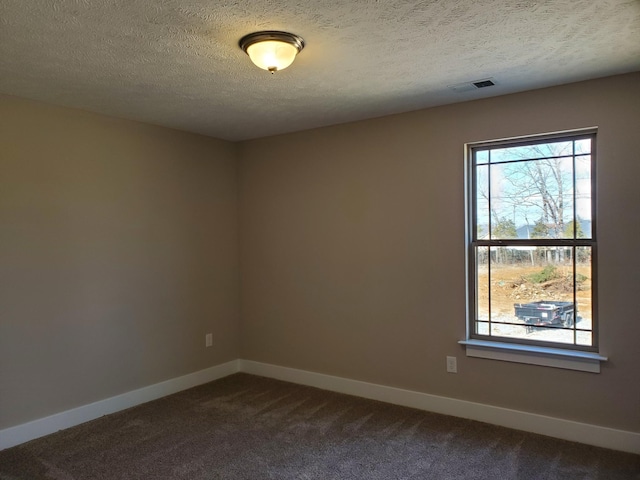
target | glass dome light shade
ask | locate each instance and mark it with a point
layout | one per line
(272, 55)
(272, 50)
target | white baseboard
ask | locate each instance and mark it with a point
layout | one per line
(12, 436)
(554, 427)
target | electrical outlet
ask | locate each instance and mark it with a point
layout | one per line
(208, 340)
(452, 365)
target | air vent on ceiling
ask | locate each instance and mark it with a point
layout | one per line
(484, 83)
(474, 85)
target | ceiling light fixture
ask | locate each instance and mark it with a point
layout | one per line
(271, 50)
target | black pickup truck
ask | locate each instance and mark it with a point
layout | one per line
(546, 314)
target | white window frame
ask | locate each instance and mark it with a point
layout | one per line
(570, 356)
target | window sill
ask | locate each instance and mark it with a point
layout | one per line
(548, 357)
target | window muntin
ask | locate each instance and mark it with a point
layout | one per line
(532, 241)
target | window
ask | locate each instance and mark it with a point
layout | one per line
(532, 242)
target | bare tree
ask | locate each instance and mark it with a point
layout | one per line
(540, 187)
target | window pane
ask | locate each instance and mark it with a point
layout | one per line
(531, 293)
(532, 199)
(482, 283)
(482, 156)
(583, 196)
(541, 150)
(482, 202)
(583, 146)
(505, 273)
(584, 296)
(482, 328)
(504, 203)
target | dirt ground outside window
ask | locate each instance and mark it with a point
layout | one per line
(511, 284)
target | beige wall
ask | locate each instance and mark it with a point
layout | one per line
(352, 247)
(118, 252)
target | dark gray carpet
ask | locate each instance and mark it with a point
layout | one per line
(248, 427)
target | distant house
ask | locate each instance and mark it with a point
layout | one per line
(525, 230)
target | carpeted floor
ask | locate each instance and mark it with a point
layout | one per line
(248, 427)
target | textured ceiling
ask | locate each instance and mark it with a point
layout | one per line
(177, 62)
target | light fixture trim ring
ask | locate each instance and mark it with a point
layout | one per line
(290, 38)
